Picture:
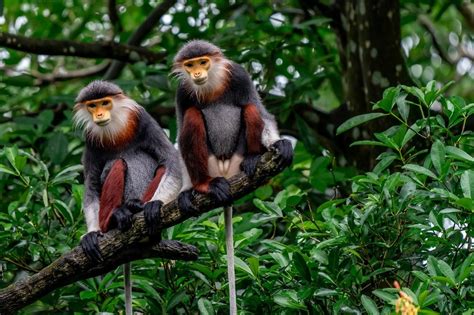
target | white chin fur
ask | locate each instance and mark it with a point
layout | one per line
(217, 75)
(119, 116)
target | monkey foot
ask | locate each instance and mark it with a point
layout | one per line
(121, 219)
(134, 205)
(151, 212)
(90, 246)
(284, 148)
(185, 203)
(249, 164)
(219, 189)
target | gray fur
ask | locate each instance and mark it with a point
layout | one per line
(97, 89)
(223, 122)
(197, 48)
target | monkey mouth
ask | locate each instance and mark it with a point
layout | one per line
(103, 122)
(200, 81)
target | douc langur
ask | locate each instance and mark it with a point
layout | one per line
(223, 128)
(129, 165)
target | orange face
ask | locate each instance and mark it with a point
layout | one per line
(100, 110)
(197, 69)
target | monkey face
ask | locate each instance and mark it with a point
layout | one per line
(100, 110)
(197, 69)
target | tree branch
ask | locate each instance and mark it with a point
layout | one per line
(105, 50)
(113, 16)
(44, 79)
(467, 10)
(428, 25)
(140, 33)
(118, 248)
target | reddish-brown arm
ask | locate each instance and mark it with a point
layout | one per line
(253, 129)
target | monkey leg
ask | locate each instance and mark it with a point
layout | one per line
(152, 209)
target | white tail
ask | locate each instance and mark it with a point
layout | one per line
(229, 241)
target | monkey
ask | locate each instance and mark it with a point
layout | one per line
(223, 128)
(129, 165)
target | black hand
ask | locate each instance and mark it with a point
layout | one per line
(249, 164)
(284, 148)
(134, 205)
(151, 213)
(90, 246)
(122, 219)
(219, 189)
(185, 203)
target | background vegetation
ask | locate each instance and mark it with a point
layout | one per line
(330, 234)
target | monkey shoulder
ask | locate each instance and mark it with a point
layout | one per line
(241, 86)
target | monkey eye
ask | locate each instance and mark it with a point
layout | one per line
(188, 65)
(91, 105)
(203, 62)
(105, 103)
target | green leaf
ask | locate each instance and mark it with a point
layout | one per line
(5, 169)
(369, 305)
(437, 156)
(390, 96)
(403, 107)
(447, 271)
(387, 140)
(87, 295)
(301, 266)
(419, 170)
(421, 275)
(64, 210)
(467, 184)
(384, 163)
(242, 265)
(418, 93)
(358, 120)
(458, 154)
(177, 298)
(325, 292)
(254, 265)
(385, 296)
(288, 298)
(57, 148)
(369, 142)
(466, 268)
(205, 307)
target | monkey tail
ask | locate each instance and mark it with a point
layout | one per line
(229, 241)
(127, 274)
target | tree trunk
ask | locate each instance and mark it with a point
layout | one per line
(369, 40)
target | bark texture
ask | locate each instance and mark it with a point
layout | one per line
(118, 248)
(97, 50)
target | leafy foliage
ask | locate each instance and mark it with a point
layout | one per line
(321, 238)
